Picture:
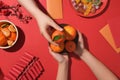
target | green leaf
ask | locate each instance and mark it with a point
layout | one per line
(97, 2)
(89, 0)
(56, 38)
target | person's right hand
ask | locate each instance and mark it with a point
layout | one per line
(80, 46)
(59, 57)
(44, 22)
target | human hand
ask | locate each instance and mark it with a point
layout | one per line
(63, 65)
(44, 23)
(80, 46)
(58, 57)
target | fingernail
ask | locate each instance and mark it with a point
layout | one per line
(55, 44)
(61, 29)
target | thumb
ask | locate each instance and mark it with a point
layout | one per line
(48, 38)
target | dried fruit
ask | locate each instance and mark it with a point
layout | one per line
(12, 36)
(11, 28)
(5, 31)
(10, 42)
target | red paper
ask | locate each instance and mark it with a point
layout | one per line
(114, 24)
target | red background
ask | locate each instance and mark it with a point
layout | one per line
(32, 41)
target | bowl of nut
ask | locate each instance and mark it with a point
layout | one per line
(8, 34)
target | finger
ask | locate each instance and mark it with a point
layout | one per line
(57, 27)
(46, 35)
(56, 56)
(80, 37)
(81, 40)
(66, 57)
(51, 52)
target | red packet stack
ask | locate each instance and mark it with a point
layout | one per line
(28, 68)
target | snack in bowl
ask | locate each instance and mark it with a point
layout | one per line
(87, 8)
(66, 39)
(3, 40)
(8, 34)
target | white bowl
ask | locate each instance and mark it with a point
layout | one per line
(9, 46)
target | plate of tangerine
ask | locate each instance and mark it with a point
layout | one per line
(66, 39)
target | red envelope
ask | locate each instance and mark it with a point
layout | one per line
(28, 67)
(54, 8)
(36, 69)
(18, 67)
(24, 78)
(114, 24)
(29, 56)
(16, 71)
(28, 76)
(32, 73)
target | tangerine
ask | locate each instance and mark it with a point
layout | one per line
(57, 48)
(70, 46)
(3, 39)
(12, 36)
(58, 36)
(70, 32)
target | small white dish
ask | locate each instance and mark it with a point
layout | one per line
(7, 24)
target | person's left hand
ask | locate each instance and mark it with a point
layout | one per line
(80, 46)
(59, 57)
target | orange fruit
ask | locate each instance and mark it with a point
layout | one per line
(58, 36)
(70, 46)
(70, 32)
(57, 48)
(10, 42)
(12, 36)
(3, 40)
(1, 23)
(11, 28)
(5, 31)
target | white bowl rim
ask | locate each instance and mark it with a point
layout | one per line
(6, 47)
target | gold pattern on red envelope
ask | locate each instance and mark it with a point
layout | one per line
(28, 67)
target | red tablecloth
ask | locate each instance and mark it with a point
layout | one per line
(32, 41)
